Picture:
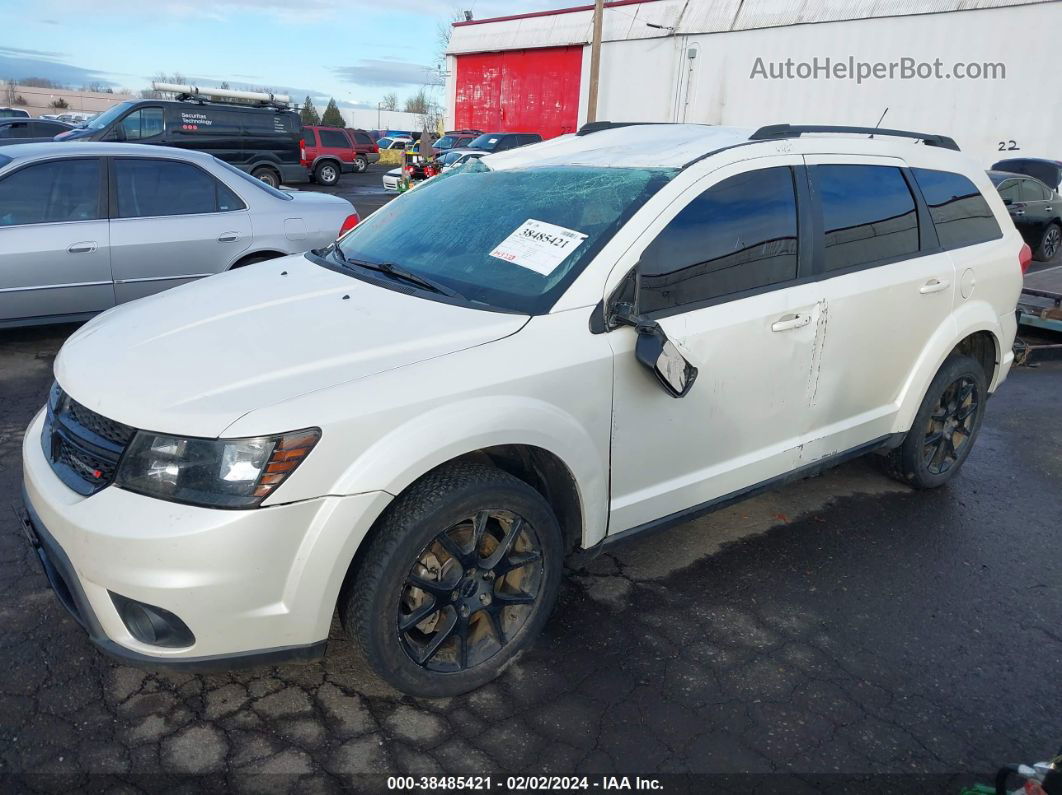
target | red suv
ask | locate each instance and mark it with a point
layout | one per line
(328, 152)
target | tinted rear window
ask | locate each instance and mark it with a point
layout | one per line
(868, 214)
(959, 211)
(149, 188)
(334, 138)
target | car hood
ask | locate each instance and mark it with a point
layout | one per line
(194, 359)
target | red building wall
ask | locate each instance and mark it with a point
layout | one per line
(519, 90)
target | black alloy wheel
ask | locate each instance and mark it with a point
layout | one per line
(951, 426)
(470, 590)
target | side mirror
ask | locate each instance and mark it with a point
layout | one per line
(658, 353)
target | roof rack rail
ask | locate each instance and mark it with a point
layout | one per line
(598, 126)
(774, 132)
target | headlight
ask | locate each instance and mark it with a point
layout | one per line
(216, 473)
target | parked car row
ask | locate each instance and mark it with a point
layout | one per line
(452, 156)
(328, 152)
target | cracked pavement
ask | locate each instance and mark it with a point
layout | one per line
(842, 625)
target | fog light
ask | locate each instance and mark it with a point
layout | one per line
(152, 625)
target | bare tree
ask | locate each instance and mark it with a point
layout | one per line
(443, 32)
(162, 77)
(389, 101)
(10, 95)
(418, 103)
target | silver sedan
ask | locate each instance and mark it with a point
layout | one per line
(85, 226)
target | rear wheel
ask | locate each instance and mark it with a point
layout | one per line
(458, 579)
(1049, 243)
(267, 175)
(945, 427)
(360, 164)
(326, 173)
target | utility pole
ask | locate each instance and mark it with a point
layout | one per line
(595, 61)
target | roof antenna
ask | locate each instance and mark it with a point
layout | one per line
(882, 118)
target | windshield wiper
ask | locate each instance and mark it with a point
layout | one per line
(399, 272)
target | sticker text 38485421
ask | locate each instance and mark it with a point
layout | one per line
(538, 246)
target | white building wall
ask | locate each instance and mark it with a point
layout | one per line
(372, 119)
(646, 79)
(646, 76)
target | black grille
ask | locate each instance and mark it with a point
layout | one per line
(83, 447)
(98, 424)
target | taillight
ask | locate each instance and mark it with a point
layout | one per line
(350, 223)
(302, 150)
(1024, 257)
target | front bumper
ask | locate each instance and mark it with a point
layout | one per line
(390, 182)
(254, 586)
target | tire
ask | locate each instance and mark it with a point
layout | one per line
(326, 173)
(495, 597)
(1050, 243)
(360, 164)
(267, 175)
(930, 456)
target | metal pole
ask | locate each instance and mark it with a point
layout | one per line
(595, 61)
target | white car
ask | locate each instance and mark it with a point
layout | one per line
(509, 364)
(394, 142)
(85, 226)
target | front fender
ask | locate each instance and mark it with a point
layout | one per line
(430, 439)
(970, 318)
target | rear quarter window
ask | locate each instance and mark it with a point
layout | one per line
(960, 213)
(868, 214)
(334, 138)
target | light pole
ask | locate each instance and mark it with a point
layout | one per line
(595, 61)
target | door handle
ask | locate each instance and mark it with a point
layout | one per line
(790, 322)
(933, 286)
(86, 247)
(228, 237)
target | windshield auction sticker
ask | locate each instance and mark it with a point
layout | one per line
(539, 246)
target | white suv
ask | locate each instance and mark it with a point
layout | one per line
(544, 351)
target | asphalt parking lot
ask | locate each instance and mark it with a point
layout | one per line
(842, 625)
(364, 191)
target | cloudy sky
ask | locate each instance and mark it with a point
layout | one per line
(353, 50)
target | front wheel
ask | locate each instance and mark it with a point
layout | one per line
(945, 427)
(458, 579)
